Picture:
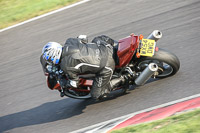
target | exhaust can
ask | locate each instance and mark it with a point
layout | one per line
(146, 74)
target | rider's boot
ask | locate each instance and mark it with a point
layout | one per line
(105, 92)
(125, 82)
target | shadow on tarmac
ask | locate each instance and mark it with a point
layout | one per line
(49, 112)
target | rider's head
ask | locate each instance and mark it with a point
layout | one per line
(51, 52)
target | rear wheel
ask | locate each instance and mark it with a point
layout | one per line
(168, 63)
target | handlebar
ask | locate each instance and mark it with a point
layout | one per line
(55, 72)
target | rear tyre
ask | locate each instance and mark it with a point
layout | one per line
(168, 63)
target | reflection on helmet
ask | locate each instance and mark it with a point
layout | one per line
(52, 52)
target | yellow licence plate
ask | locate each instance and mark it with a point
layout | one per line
(148, 47)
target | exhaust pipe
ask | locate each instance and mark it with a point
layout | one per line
(146, 74)
(155, 35)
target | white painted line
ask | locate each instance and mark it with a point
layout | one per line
(126, 117)
(44, 15)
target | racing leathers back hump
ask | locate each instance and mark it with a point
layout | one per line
(78, 58)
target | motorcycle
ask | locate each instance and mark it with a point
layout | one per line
(140, 58)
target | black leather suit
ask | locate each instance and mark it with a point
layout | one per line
(95, 58)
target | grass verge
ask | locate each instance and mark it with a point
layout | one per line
(183, 123)
(15, 11)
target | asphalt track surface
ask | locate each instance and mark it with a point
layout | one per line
(27, 105)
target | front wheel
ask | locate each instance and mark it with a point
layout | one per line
(168, 63)
(80, 93)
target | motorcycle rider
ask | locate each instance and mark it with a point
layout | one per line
(80, 57)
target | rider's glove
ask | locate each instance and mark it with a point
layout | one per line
(49, 69)
(64, 83)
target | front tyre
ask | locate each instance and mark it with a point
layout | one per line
(168, 63)
(77, 94)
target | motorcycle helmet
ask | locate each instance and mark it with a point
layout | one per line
(51, 52)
